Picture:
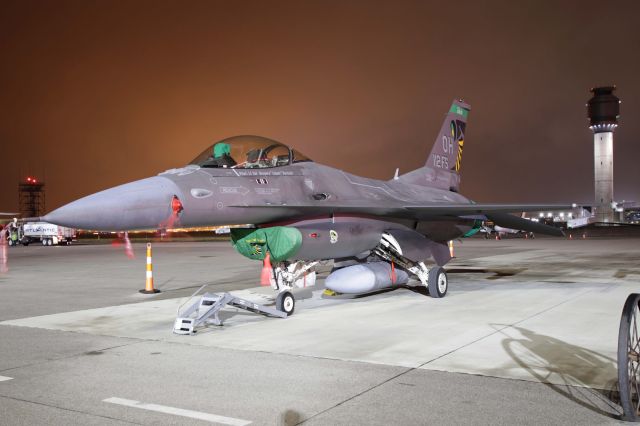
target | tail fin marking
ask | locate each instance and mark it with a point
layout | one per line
(443, 165)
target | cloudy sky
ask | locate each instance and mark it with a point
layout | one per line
(97, 93)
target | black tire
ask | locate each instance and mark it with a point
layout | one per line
(286, 303)
(438, 282)
(629, 358)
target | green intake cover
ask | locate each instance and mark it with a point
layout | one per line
(281, 241)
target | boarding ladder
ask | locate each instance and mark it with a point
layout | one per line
(205, 309)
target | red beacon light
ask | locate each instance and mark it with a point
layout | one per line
(176, 205)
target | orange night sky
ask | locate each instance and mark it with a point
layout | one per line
(97, 93)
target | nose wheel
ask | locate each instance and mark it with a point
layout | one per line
(285, 302)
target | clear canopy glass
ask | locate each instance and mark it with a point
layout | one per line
(248, 152)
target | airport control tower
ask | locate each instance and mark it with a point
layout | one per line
(603, 110)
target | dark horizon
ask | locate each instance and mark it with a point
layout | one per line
(98, 94)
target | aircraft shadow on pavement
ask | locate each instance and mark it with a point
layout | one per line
(417, 287)
(550, 354)
(497, 273)
(225, 315)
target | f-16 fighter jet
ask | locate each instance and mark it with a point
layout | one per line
(378, 233)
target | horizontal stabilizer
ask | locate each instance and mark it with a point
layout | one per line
(513, 222)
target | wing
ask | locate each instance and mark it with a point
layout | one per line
(498, 213)
(479, 209)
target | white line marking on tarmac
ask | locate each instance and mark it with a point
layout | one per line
(5, 378)
(178, 412)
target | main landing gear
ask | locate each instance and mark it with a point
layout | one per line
(438, 282)
(434, 279)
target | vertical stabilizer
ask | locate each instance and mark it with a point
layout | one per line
(442, 169)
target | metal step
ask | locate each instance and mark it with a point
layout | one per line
(206, 308)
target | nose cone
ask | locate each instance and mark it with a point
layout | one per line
(143, 204)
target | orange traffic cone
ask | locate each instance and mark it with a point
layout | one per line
(267, 271)
(148, 287)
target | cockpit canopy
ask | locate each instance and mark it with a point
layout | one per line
(248, 152)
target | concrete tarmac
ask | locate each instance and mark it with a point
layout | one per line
(526, 335)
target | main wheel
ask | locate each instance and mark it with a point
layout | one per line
(629, 359)
(438, 283)
(44, 242)
(49, 242)
(286, 303)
